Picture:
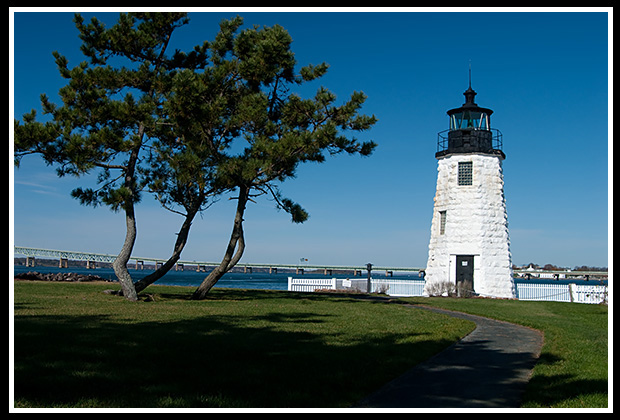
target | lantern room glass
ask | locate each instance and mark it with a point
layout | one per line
(469, 120)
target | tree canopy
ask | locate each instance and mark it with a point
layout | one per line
(111, 113)
(187, 126)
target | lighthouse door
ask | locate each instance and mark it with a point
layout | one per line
(465, 272)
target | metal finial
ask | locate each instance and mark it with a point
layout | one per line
(470, 74)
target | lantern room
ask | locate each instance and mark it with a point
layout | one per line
(469, 130)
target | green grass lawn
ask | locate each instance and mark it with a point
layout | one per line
(75, 346)
(572, 370)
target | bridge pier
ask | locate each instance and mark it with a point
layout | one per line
(327, 272)
(30, 261)
(389, 273)
(299, 271)
(357, 273)
(247, 270)
(91, 264)
(63, 263)
(273, 270)
(139, 265)
(179, 267)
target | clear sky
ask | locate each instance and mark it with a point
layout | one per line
(546, 76)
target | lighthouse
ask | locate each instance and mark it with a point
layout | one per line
(469, 248)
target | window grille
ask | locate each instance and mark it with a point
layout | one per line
(465, 173)
(442, 222)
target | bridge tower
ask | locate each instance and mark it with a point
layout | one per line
(469, 247)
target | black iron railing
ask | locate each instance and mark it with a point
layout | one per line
(458, 141)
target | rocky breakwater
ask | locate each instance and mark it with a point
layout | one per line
(34, 275)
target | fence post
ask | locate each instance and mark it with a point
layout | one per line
(571, 290)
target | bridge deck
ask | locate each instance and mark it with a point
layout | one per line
(95, 257)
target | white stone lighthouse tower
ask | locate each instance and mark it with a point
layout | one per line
(469, 247)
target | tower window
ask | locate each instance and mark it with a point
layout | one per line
(442, 222)
(465, 173)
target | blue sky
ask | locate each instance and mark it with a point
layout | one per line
(545, 75)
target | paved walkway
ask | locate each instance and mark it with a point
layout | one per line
(490, 368)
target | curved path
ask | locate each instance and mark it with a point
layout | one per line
(490, 367)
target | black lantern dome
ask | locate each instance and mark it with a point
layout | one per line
(470, 130)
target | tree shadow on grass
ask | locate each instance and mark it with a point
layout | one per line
(210, 361)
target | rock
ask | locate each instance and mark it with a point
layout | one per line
(31, 275)
(35, 275)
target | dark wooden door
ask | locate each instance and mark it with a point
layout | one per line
(465, 271)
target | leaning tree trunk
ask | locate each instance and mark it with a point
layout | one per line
(176, 254)
(231, 257)
(120, 263)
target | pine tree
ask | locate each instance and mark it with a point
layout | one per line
(111, 113)
(166, 124)
(280, 131)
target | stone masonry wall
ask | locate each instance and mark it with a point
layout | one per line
(476, 224)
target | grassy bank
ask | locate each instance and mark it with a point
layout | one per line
(78, 347)
(573, 367)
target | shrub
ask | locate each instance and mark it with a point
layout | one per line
(442, 288)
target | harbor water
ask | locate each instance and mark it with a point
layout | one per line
(256, 280)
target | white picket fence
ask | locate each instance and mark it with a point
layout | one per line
(541, 291)
(388, 286)
(398, 287)
(310, 285)
(562, 292)
(590, 294)
(402, 288)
